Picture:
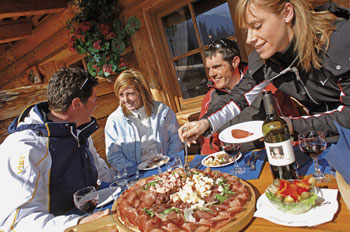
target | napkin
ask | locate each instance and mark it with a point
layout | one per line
(339, 154)
(315, 216)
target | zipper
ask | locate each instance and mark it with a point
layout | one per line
(75, 136)
(295, 70)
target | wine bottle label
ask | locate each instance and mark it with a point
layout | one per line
(280, 154)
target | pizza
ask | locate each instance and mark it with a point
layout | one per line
(205, 201)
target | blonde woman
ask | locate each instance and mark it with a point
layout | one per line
(140, 127)
(304, 53)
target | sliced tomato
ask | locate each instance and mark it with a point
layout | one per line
(303, 187)
(293, 189)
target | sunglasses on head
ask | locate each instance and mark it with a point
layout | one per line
(220, 44)
(84, 83)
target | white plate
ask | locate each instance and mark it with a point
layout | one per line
(105, 195)
(144, 164)
(219, 152)
(254, 127)
(315, 216)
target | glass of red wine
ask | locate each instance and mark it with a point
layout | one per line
(86, 199)
(234, 150)
(313, 143)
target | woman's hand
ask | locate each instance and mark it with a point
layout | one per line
(94, 216)
(193, 130)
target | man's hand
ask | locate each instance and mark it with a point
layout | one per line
(193, 130)
(94, 216)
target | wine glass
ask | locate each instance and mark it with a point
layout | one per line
(233, 149)
(313, 143)
(156, 159)
(117, 187)
(178, 162)
(86, 199)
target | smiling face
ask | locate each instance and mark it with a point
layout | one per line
(221, 72)
(130, 97)
(268, 32)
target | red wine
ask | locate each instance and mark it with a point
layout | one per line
(231, 149)
(88, 206)
(313, 150)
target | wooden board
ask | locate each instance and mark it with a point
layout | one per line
(240, 221)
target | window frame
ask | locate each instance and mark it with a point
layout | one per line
(165, 60)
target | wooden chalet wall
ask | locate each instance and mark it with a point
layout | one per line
(47, 48)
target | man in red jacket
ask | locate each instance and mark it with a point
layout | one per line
(223, 61)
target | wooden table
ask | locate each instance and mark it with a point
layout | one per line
(340, 223)
(341, 220)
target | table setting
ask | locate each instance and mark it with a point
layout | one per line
(259, 176)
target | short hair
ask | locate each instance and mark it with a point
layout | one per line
(67, 84)
(228, 48)
(135, 78)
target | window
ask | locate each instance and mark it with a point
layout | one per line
(186, 31)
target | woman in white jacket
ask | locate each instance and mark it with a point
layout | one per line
(140, 127)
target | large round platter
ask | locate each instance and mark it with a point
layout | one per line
(238, 222)
(253, 127)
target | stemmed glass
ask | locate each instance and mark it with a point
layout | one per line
(156, 159)
(233, 149)
(86, 199)
(313, 143)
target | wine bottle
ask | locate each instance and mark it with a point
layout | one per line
(278, 142)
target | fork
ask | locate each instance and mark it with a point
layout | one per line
(252, 167)
(250, 159)
(186, 166)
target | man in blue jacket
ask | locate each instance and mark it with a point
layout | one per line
(49, 155)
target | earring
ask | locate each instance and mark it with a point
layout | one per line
(287, 21)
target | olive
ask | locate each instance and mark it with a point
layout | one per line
(304, 195)
(288, 199)
(278, 198)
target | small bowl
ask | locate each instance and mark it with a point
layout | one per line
(294, 207)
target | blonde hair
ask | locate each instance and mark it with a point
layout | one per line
(311, 29)
(133, 77)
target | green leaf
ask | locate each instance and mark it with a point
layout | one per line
(153, 183)
(220, 198)
(167, 211)
(149, 212)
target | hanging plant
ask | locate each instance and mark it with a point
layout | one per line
(97, 32)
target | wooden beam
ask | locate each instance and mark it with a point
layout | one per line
(36, 56)
(17, 8)
(15, 30)
(41, 33)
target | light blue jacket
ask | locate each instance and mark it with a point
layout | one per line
(123, 145)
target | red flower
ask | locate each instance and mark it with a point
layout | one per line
(104, 29)
(111, 35)
(97, 45)
(107, 68)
